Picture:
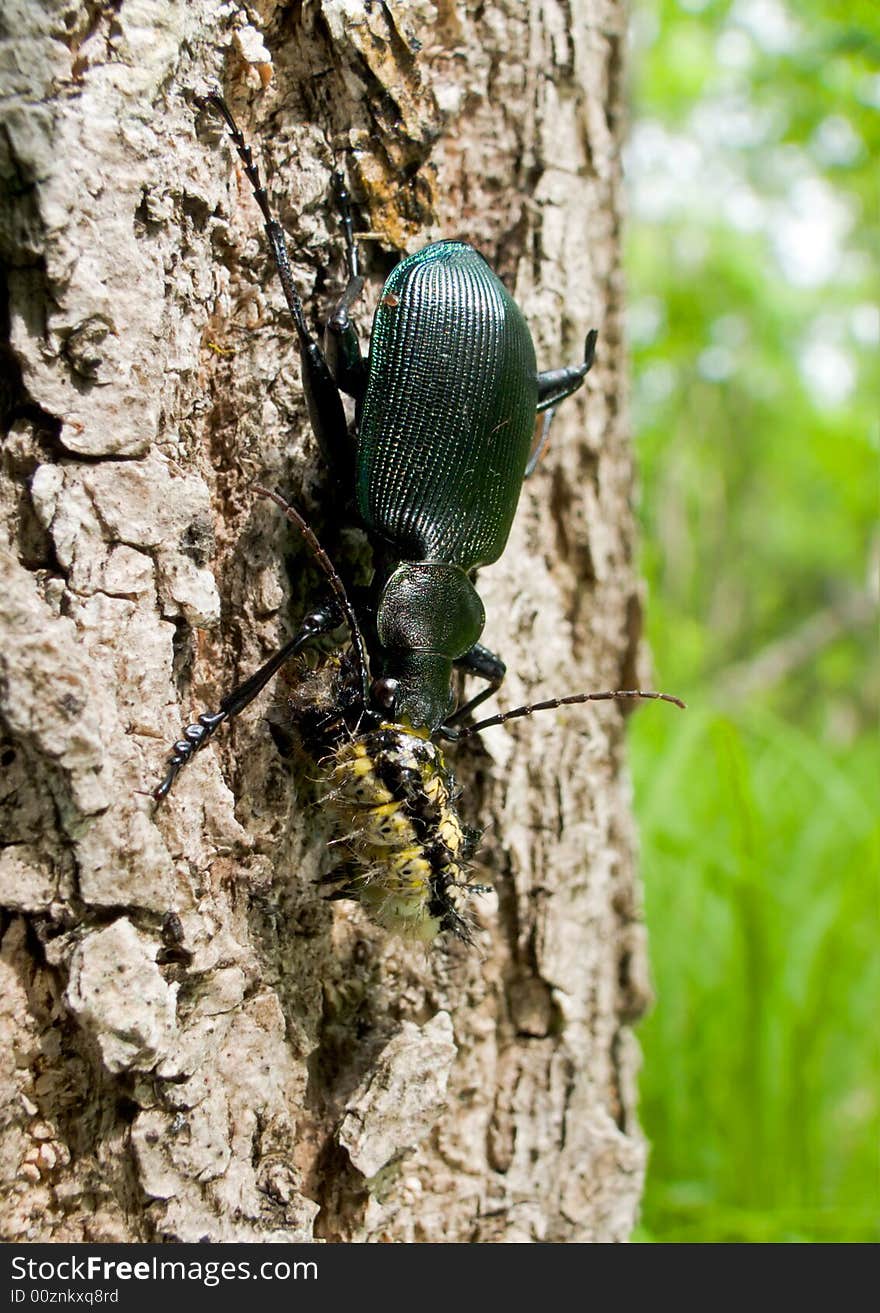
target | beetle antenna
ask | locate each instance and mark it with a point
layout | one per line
(333, 578)
(274, 231)
(572, 700)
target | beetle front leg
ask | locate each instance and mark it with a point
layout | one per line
(478, 660)
(322, 620)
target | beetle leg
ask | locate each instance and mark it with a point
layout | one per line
(322, 620)
(478, 660)
(343, 206)
(322, 395)
(554, 385)
(341, 346)
(345, 608)
(541, 445)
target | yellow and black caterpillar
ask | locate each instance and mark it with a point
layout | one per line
(393, 803)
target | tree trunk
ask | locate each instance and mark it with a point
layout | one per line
(202, 1046)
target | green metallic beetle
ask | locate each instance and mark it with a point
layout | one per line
(445, 412)
(444, 437)
(445, 416)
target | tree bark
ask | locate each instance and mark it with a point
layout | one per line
(201, 1046)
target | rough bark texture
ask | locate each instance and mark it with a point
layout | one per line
(202, 1047)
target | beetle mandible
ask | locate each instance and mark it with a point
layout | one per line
(445, 412)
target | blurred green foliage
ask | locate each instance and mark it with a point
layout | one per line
(754, 325)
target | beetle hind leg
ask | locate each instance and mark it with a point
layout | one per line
(541, 443)
(554, 385)
(342, 197)
(341, 346)
(324, 403)
(342, 349)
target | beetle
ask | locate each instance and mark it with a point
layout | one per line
(445, 412)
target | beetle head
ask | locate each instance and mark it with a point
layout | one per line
(428, 616)
(415, 690)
